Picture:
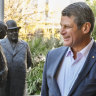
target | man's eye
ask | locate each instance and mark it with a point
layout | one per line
(68, 27)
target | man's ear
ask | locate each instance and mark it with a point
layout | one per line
(86, 27)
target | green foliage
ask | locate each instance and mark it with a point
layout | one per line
(34, 79)
(94, 32)
(39, 48)
(92, 4)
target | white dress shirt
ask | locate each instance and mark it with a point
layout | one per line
(70, 69)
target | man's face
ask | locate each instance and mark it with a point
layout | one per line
(12, 35)
(73, 37)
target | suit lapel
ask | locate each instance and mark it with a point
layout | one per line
(18, 47)
(87, 67)
(57, 65)
(8, 45)
(58, 61)
(9, 48)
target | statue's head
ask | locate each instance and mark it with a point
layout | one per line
(13, 30)
(3, 29)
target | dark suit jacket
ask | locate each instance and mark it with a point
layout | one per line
(85, 84)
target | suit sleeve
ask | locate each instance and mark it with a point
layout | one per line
(44, 89)
(3, 68)
(29, 59)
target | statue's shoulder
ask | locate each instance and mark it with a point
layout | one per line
(3, 40)
(23, 42)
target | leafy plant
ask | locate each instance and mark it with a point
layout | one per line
(39, 48)
(94, 32)
(92, 4)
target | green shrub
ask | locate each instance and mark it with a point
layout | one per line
(34, 79)
(39, 48)
(94, 32)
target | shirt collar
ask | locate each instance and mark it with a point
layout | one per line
(84, 51)
(69, 52)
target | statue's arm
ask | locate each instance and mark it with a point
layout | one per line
(3, 68)
(29, 58)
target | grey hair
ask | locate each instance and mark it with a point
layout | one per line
(82, 13)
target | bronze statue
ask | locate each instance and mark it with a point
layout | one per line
(3, 63)
(18, 57)
(3, 29)
(3, 67)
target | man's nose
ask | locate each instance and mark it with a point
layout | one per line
(62, 31)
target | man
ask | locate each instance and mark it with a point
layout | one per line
(71, 70)
(18, 58)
